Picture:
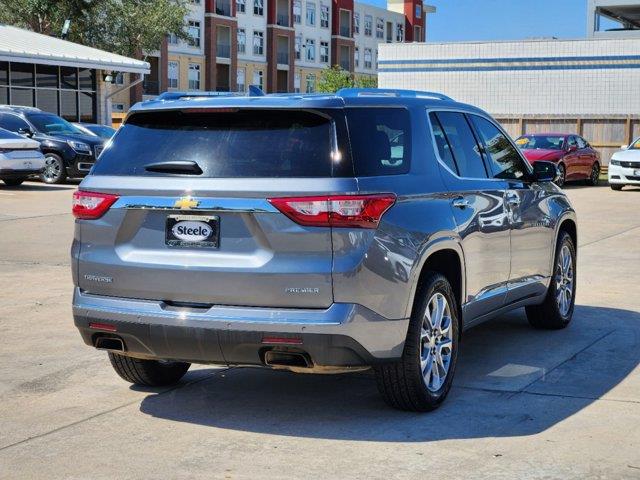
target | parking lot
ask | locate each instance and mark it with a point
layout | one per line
(525, 403)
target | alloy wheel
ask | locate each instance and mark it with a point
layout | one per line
(52, 169)
(436, 342)
(564, 280)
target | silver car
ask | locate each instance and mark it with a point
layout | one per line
(315, 233)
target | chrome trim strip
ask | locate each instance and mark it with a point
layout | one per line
(252, 205)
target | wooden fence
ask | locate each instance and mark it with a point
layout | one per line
(605, 134)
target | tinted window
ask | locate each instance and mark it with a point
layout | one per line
(243, 143)
(442, 144)
(505, 161)
(380, 140)
(541, 142)
(12, 122)
(463, 145)
(572, 141)
(581, 142)
(52, 124)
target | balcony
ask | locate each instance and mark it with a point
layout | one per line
(223, 50)
(223, 8)
(283, 20)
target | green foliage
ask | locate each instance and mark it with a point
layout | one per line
(334, 78)
(127, 27)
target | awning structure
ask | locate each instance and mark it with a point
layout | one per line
(19, 45)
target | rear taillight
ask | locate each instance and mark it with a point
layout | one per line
(91, 205)
(360, 211)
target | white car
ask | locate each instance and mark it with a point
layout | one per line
(20, 157)
(624, 166)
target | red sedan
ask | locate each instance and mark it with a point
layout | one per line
(576, 159)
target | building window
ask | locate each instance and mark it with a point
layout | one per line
(376, 58)
(117, 107)
(194, 2)
(367, 58)
(240, 80)
(311, 50)
(119, 78)
(298, 47)
(356, 57)
(297, 11)
(241, 6)
(311, 83)
(258, 43)
(418, 10)
(417, 34)
(324, 52)
(258, 78)
(324, 16)
(172, 39)
(399, 32)
(173, 73)
(311, 13)
(379, 27)
(368, 25)
(194, 76)
(194, 33)
(356, 22)
(242, 40)
(258, 7)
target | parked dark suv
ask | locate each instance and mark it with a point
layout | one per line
(316, 234)
(69, 151)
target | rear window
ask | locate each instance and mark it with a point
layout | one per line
(380, 140)
(229, 144)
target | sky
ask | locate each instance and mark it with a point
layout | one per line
(468, 20)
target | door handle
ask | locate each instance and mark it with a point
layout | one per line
(460, 202)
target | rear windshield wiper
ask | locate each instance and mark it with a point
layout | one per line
(187, 167)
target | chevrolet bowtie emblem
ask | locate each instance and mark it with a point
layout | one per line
(186, 203)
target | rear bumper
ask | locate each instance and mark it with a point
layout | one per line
(344, 334)
(11, 173)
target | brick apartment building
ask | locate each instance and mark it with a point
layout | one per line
(280, 45)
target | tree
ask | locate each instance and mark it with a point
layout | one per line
(334, 78)
(127, 27)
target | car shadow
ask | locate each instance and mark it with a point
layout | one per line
(35, 186)
(511, 381)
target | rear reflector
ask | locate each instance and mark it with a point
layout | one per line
(360, 211)
(91, 205)
(282, 340)
(103, 326)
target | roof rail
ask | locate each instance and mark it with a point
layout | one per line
(178, 95)
(389, 92)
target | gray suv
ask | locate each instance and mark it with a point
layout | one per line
(315, 233)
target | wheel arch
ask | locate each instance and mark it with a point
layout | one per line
(567, 223)
(444, 256)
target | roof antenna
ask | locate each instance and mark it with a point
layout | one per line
(255, 91)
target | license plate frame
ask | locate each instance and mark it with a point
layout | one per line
(210, 242)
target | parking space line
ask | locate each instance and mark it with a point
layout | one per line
(608, 236)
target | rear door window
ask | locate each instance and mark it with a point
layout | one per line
(461, 143)
(228, 143)
(380, 140)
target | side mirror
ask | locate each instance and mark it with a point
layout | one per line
(545, 171)
(624, 147)
(572, 148)
(25, 131)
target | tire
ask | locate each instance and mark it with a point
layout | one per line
(401, 383)
(562, 176)
(617, 188)
(54, 171)
(594, 177)
(13, 182)
(149, 373)
(555, 313)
